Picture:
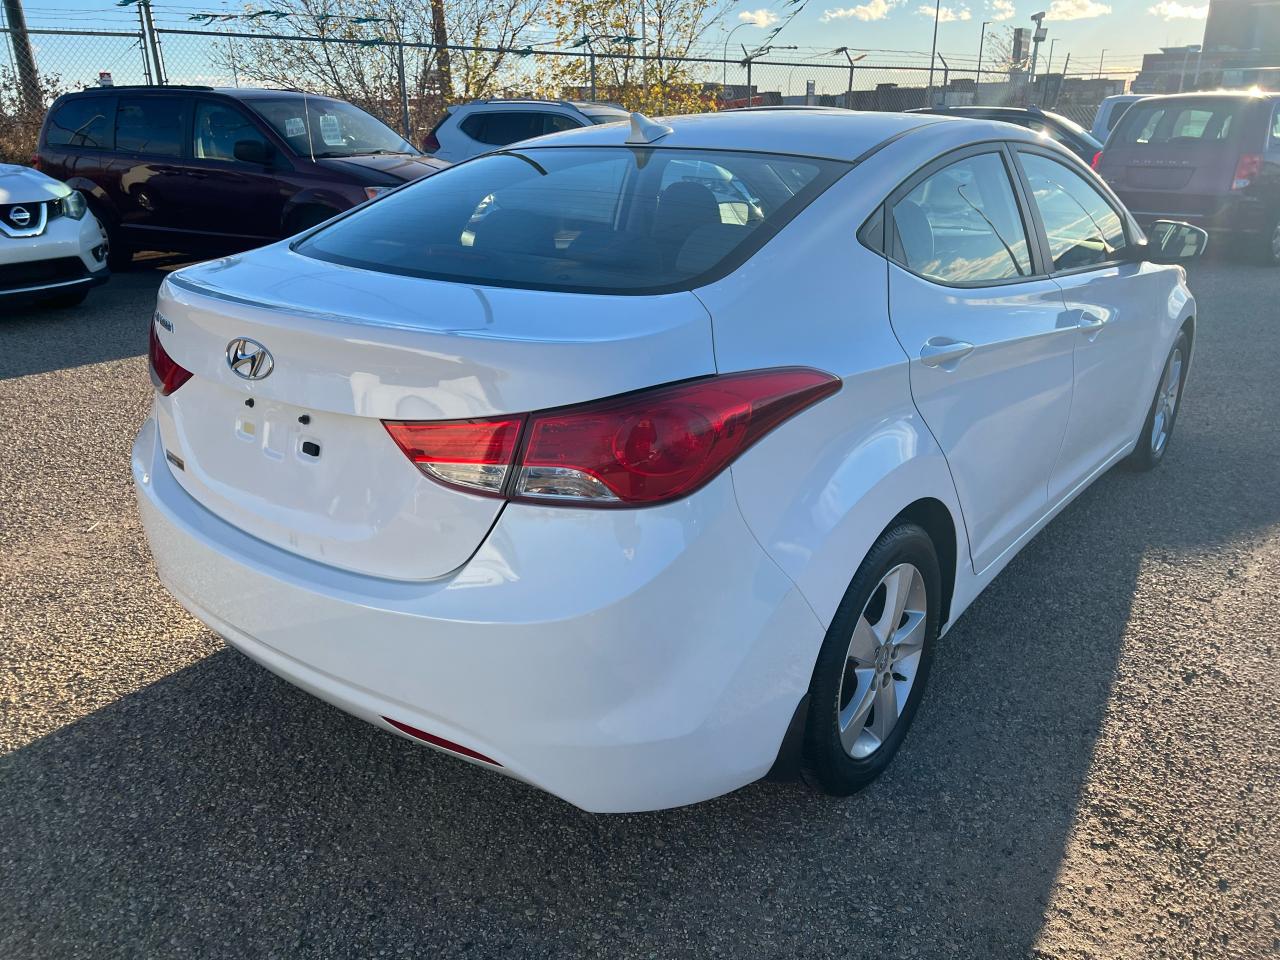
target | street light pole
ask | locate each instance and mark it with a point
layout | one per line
(981, 40)
(1100, 56)
(937, 12)
(724, 72)
(1048, 68)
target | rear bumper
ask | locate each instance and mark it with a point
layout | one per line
(1220, 215)
(621, 660)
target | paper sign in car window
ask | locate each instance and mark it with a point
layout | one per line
(330, 132)
(294, 127)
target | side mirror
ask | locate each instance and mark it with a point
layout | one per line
(253, 151)
(1172, 241)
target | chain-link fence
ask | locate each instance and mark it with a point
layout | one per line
(408, 84)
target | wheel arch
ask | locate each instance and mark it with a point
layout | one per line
(934, 517)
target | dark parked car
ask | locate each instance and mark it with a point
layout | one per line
(204, 170)
(1209, 158)
(1055, 126)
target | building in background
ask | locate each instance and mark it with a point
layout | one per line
(1241, 48)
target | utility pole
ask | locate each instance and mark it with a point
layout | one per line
(933, 51)
(981, 40)
(153, 43)
(1100, 56)
(1048, 68)
(23, 59)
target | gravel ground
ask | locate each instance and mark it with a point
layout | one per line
(1095, 772)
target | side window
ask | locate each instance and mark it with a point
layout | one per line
(82, 123)
(554, 123)
(1082, 227)
(500, 129)
(218, 129)
(962, 225)
(152, 125)
(1275, 128)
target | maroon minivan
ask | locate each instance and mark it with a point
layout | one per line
(205, 171)
(1212, 159)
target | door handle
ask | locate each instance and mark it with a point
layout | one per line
(944, 352)
(1090, 323)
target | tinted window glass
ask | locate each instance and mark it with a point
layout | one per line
(1204, 121)
(151, 125)
(218, 129)
(500, 129)
(81, 123)
(555, 122)
(962, 225)
(1275, 127)
(1082, 227)
(601, 219)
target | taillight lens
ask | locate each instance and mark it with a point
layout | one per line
(430, 143)
(475, 454)
(165, 372)
(1097, 160)
(643, 448)
(1249, 166)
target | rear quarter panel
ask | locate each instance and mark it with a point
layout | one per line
(818, 491)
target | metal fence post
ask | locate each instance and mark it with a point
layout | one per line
(404, 90)
(750, 99)
(592, 59)
(24, 60)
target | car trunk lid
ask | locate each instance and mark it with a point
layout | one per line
(300, 457)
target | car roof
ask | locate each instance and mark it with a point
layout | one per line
(831, 133)
(239, 93)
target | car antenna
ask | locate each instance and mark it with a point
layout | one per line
(644, 130)
(306, 119)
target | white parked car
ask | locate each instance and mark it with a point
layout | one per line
(645, 460)
(52, 250)
(1110, 110)
(470, 129)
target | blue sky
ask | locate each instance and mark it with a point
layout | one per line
(1084, 28)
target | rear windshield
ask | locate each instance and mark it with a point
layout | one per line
(588, 219)
(1158, 122)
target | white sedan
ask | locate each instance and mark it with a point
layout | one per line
(52, 249)
(637, 463)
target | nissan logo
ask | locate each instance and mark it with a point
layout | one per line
(249, 360)
(20, 216)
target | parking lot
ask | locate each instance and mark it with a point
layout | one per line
(1095, 772)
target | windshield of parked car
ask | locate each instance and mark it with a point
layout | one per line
(587, 219)
(328, 128)
(1160, 122)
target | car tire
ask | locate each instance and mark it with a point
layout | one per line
(1269, 248)
(64, 300)
(119, 251)
(869, 662)
(1157, 430)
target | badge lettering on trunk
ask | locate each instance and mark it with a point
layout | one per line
(249, 360)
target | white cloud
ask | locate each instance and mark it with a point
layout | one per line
(1172, 10)
(1002, 9)
(871, 10)
(763, 17)
(945, 14)
(1076, 10)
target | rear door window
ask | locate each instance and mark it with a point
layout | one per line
(962, 225)
(503, 127)
(84, 122)
(1163, 123)
(152, 125)
(593, 219)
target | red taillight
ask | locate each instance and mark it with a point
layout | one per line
(475, 454)
(165, 372)
(642, 448)
(35, 161)
(1097, 159)
(430, 143)
(1249, 166)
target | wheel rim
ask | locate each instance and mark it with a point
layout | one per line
(1275, 243)
(1167, 403)
(883, 661)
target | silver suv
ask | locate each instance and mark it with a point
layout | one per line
(474, 128)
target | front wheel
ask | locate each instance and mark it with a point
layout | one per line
(1158, 429)
(1270, 250)
(874, 663)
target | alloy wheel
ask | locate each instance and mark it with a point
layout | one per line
(1167, 402)
(883, 660)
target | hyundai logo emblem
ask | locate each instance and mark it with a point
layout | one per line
(249, 360)
(20, 216)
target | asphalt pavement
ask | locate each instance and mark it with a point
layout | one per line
(1095, 771)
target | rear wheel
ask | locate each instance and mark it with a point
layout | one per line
(874, 663)
(1269, 251)
(1158, 429)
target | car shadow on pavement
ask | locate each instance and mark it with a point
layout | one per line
(110, 325)
(221, 812)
